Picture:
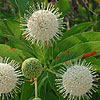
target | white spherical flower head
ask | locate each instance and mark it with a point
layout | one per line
(43, 24)
(9, 78)
(77, 81)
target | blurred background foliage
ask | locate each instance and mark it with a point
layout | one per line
(82, 31)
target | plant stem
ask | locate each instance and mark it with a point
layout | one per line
(52, 52)
(60, 64)
(42, 53)
(36, 88)
(53, 72)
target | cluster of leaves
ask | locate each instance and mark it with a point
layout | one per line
(80, 37)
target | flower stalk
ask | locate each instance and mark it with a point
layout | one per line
(35, 87)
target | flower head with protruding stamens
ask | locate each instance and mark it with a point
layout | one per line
(76, 81)
(10, 78)
(43, 24)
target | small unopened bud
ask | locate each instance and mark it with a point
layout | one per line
(31, 68)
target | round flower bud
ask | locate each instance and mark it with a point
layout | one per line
(31, 68)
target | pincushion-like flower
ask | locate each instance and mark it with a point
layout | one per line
(43, 24)
(10, 78)
(31, 68)
(77, 80)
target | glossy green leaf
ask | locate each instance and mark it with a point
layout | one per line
(76, 39)
(77, 51)
(7, 51)
(18, 43)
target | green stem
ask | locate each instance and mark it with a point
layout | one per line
(60, 64)
(53, 72)
(42, 53)
(52, 52)
(35, 89)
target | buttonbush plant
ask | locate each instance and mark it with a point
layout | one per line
(49, 49)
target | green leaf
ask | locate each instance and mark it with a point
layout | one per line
(23, 5)
(77, 29)
(76, 39)
(95, 62)
(4, 29)
(18, 43)
(15, 28)
(45, 88)
(13, 2)
(27, 90)
(28, 49)
(63, 6)
(6, 51)
(51, 78)
(1, 26)
(77, 51)
(7, 30)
